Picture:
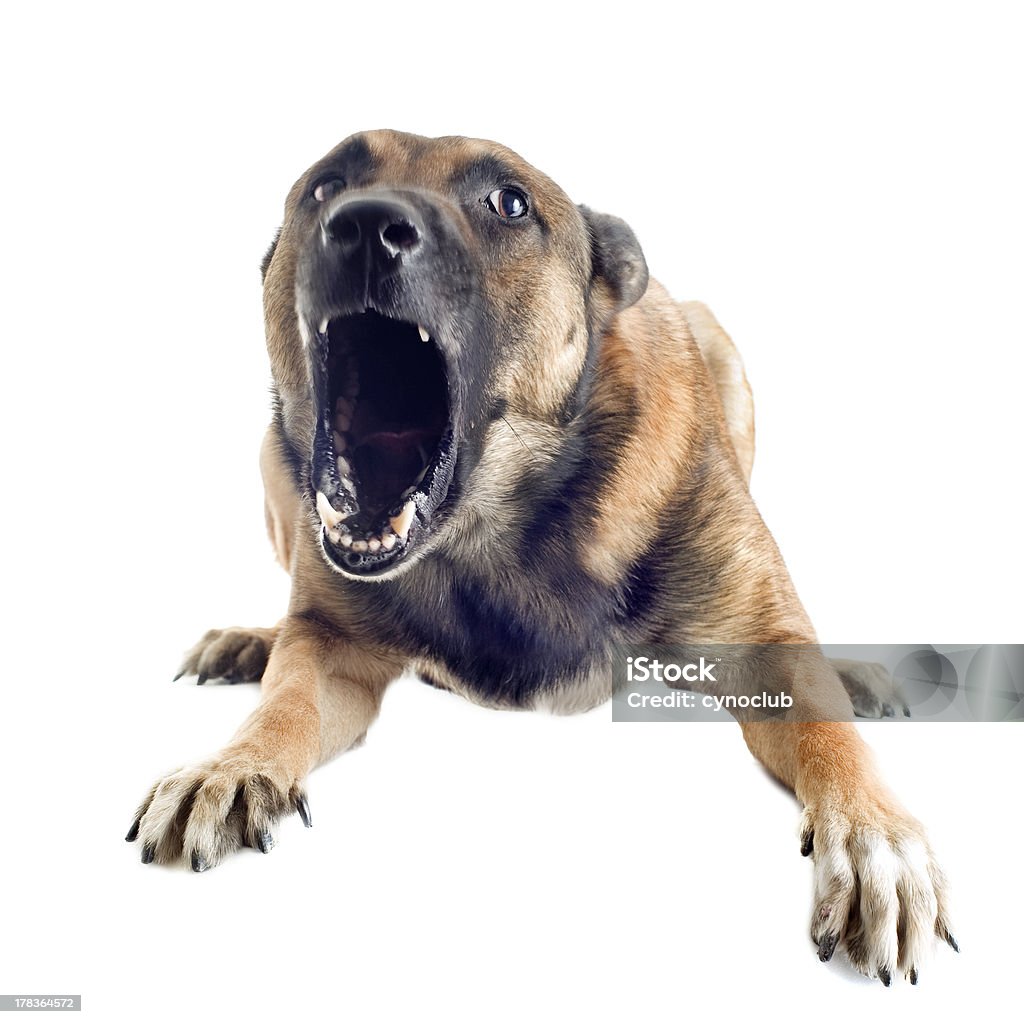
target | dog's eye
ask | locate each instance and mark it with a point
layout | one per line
(507, 203)
(327, 188)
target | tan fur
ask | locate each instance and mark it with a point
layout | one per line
(726, 369)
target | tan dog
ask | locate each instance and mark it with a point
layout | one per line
(499, 454)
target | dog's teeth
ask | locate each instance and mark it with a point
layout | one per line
(323, 325)
(401, 523)
(343, 409)
(340, 444)
(329, 515)
(343, 467)
(333, 536)
(360, 546)
(373, 544)
(388, 540)
(424, 333)
(345, 540)
(346, 482)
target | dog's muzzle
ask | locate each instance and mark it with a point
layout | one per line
(376, 311)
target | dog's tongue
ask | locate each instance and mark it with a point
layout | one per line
(388, 461)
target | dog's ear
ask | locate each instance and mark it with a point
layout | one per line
(269, 255)
(618, 261)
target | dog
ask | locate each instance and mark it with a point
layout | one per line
(501, 452)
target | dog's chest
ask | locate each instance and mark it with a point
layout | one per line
(507, 639)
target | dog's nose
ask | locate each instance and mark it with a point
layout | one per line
(384, 230)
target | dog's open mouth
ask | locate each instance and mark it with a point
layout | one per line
(384, 454)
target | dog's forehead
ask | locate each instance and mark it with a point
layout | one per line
(446, 165)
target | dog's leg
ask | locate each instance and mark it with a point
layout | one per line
(320, 695)
(878, 889)
(238, 654)
(871, 689)
(726, 368)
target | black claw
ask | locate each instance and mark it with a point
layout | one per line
(952, 942)
(807, 844)
(201, 678)
(133, 832)
(265, 841)
(913, 975)
(302, 806)
(178, 676)
(887, 711)
(906, 711)
(198, 861)
(827, 947)
(148, 853)
(884, 976)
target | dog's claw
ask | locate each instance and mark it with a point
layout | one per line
(807, 844)
(133, 832)
(913, 975)
(827, 947)
(884, 977)
(198, 861)
(265, 842)
(952, 942)
(178, 676)
(887, 711)
(148, 853)
(201, 678)
(302, 806)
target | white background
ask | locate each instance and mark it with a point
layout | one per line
(841, 184)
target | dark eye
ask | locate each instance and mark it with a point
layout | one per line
(327, 188)
(507, 203)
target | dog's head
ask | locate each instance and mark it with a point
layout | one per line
(418, 291)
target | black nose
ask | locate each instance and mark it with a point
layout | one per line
(383, 230)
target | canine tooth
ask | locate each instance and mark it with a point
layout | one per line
(329, 515)
(424, 334)
(388, 540)
(401, 523)
(373, 544)
(343, 467)
(359, 545)
(340, 444)
(323, 325)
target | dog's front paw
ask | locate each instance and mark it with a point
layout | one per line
(238, 655)
(878, 891)
(205, 812)
(871, 689)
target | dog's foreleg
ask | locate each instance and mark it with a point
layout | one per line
(878, 889)
(319, 696)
